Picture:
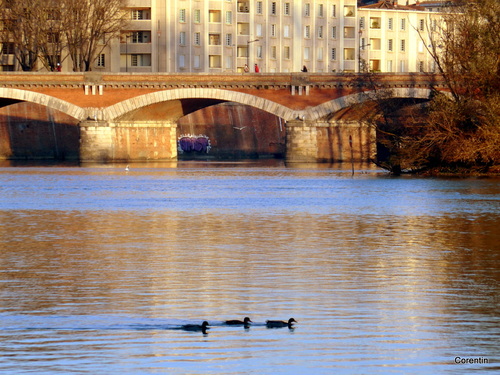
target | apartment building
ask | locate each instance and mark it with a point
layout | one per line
(218, 36)
(394, 38)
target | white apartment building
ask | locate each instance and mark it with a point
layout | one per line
(218, 36)
(393, 38)
(222, 36)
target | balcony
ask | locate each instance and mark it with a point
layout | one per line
(243, 6)
(139, 25)
(135, 48)
(375, 22)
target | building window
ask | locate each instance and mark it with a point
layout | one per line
(349, 53)
(286, 52)
(334, 32)
(307, 9)
(403, 45)
(229, 40)
(389, 66)
(307, 31)
(141, 37)
(243, 7)
(214, 16)
(258, 30)
(421, 66)
(141, 14)
(214, 39)
(349, 32)
(229, 17)
(214, 61)
(320, 32)
(307, 53)
(286, 9)
(375, 22)
(390, 24)
(228, 64)
(101, 60)
(362, 22)
(7, 48)
(259, 52)
(242, 51)
(273, 52)
(197, 16)
(182, 61)
(196, 61)
(197, 39)
(140, 60)
(273, 8)
(182, 15)
(273, 30)
(333, 54)
(390, 46)
(286, 31)
(334, 10)
(421, 46)
(182, 38)
(320, 10)
(421, 25)
(258, 8)
(349, 11)
(320, 53)
(403, 23)
(375, 44)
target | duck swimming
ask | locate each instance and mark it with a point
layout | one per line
(196, 327)
(280, 323)
(238, 322)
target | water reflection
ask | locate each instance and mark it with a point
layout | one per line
(375, 282)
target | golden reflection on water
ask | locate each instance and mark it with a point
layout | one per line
(225, 263)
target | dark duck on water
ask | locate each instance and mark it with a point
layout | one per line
(280, 323)
(196, 327)
(244, 322)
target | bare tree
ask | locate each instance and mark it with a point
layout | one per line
(22, 26)
(52, 43)
(459, 131)
(89, 27)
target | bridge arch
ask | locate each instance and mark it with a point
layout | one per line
(335, 105)
(115, 111)
(46, 100)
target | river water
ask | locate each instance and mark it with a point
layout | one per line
(100, 267)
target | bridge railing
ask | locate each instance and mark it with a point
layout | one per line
(229, 80)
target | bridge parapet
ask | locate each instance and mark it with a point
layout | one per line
(223, 81)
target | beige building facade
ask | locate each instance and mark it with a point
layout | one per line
(229, 36)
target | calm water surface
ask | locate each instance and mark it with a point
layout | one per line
(100, 267)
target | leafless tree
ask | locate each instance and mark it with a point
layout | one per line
(459, 131)
(52, 43)
(49, 30)
(89, 27)
(22, 26)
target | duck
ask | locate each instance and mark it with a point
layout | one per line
(127, 168)
(280, 323)
(244, 322)
(196, 327)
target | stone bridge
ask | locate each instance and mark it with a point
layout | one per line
(312, 106)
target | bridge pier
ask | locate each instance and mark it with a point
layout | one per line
(103, 141)
(329, 141)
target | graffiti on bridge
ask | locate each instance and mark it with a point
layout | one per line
(193, 143)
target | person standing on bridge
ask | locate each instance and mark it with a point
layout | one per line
(304, 69)
(246, 69)
(257, 70)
